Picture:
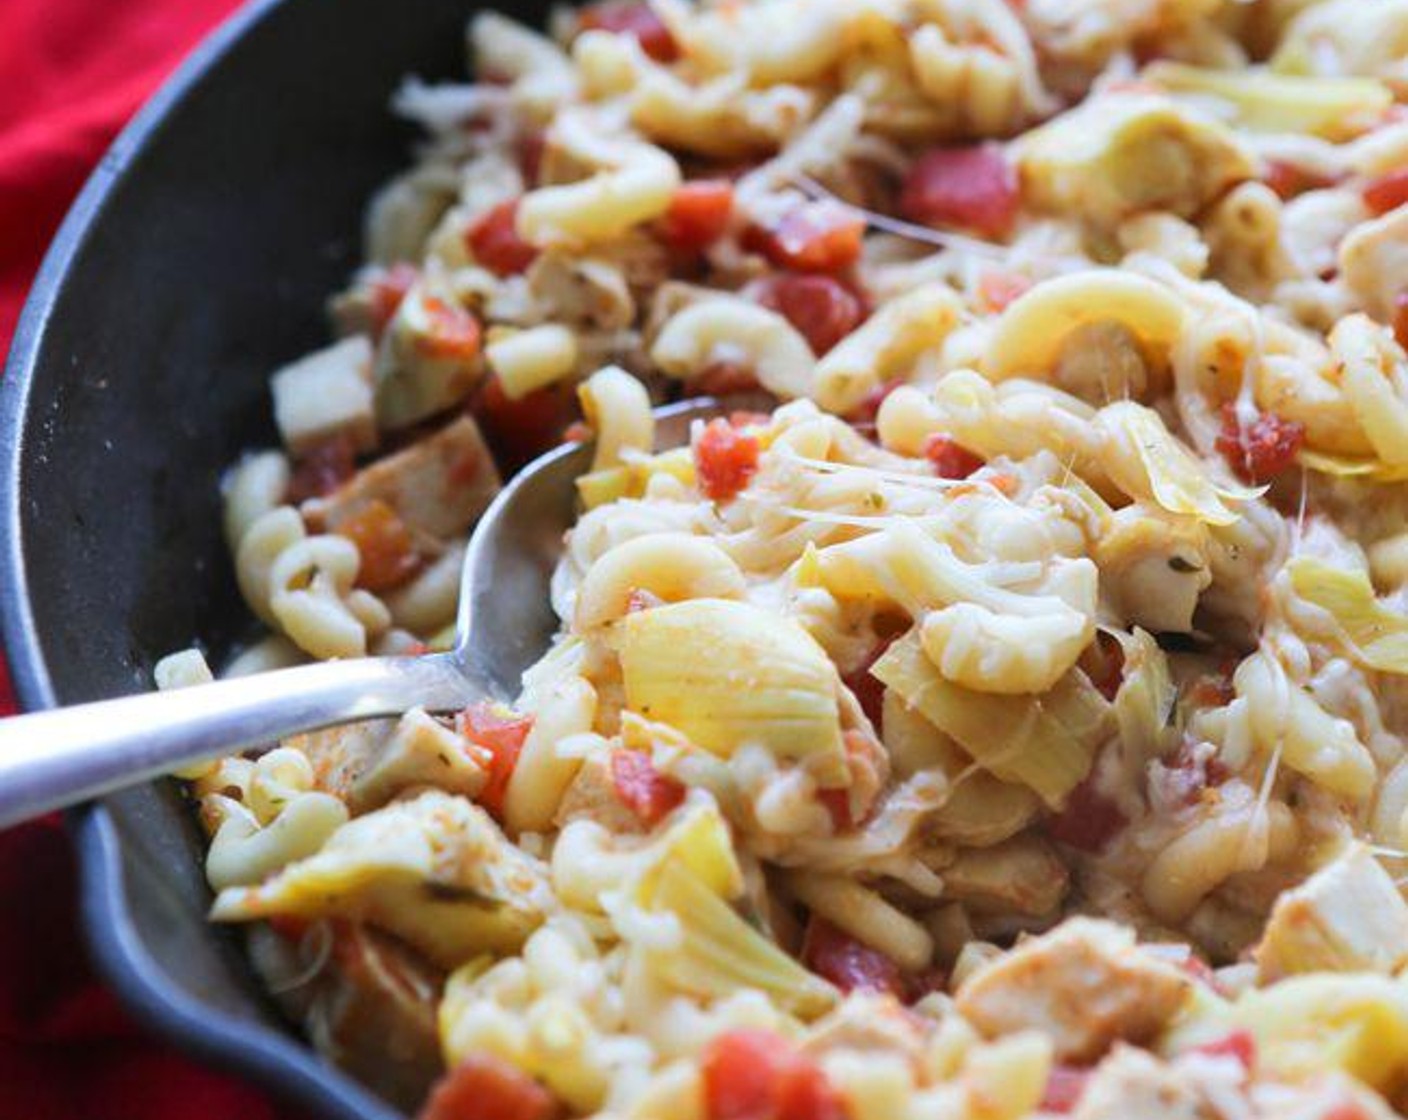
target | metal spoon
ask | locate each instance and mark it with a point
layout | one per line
(56, 758)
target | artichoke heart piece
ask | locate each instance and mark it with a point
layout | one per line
(1046, 742)
(726, 674)
(1119, 155)
(1375, 636)
(435, 872)
(1334, 108)
(719, 953)
(1147, 461)
(1357, 1023)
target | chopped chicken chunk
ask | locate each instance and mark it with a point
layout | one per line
(1086, 984)
(438, 486)
(1347, 917)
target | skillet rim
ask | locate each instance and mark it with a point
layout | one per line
(277, 1061)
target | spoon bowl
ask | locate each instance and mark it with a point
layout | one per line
(56, 758)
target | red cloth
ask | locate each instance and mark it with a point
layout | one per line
(74, 71)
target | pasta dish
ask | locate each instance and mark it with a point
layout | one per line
(1008, 718)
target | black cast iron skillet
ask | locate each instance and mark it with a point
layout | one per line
(197, 259)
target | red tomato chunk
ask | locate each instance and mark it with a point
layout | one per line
(699, 213)
(454, 333)
(866, 686)
(387, 292)
(1239, 1044)
(823, 310)
(499, 731)
(1400, 319)
(1064, 1087)
(849, 964)
(972, 188)
(628, 17)
(493, 241)
(1387, 192)
(725, 459)
(322, 469)
(1089, 821)
(484, 1087)
(949, 458)
(818, 236)
(1261, 450)
(388, 551)
(519, 430)
(759, 1075)
(649, 794)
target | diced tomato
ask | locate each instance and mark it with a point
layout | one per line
(1400, 319)
(387, 291)
(1289, 180)
(1089, 820)
(322, 469)
(1064, 1087)
(950, 459)
(807, 1094)
(849, 964)
(823, 310)
(1261, 450)
(722, 379)
(698, 214)
(1386, 192)
(837, 803)
(634, 18)
(1239, 1044)
(649, 794)
(485, 1087)
(725, 459)
(973, 188)
(500, 732)
(759, 1075)
(520, 430)
(493, 241)
(998, 289)
(388, 551)
(454, 333)
(816, 236)
(866, 686)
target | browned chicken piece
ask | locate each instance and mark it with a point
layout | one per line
(1085, 984)
(422, 753)
(868, 1023)
(1022, 874)
(1374, 263)
(592, 794)
(366, 1000)
(1347, 917)
(341, 755)
(1132, 1083)
(438, 486)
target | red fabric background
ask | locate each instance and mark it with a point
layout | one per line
(73, 72)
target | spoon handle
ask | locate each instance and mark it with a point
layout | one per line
(59, 757)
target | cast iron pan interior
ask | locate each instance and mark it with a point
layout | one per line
(197, 258)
